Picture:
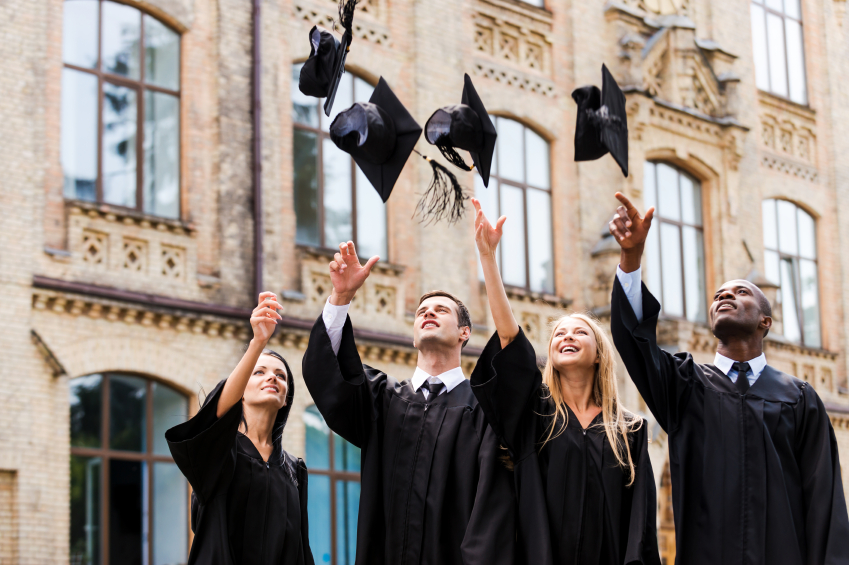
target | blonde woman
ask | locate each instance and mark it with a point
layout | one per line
(583, 478)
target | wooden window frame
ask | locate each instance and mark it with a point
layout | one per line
(767, 10)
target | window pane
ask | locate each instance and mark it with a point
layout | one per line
(170, 515)
(539, 168)
(79, 134)
(810, 303)
(337, 194)
(510, 150)
(306, 187)
(652, 261)
(362, 90)
(791, 8)
(161, 54)
(489, 204)
(304, 108)
(787, 242)
(777, 60)
(79, 33)
(694, 274)
(169, 409)
(86, 405)
(127, 511)
(121, 31)
(789, 297)
(85, 510)
(346, 456)
(770, 232)
(673, 299)
(162, 154)
(318, 508)
(772, 267)
(513, 240)
(691, 200)
(649, 183)
(796, 62)
(119, 145)
(539, 3)
(371, 220)
(347, 506)
(539, 241)
(317, 441)
(759, 48)
(775, 5)
(807, 235)
(127, 411)
(668, 195)
(344, 99)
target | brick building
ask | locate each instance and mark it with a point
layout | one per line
(134, 146)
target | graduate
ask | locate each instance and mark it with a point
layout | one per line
(584, 481)
(249, 499)
(433, 490)
(753, 457)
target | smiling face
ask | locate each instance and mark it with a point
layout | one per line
(268, 384)
(573, 345)
(436, 324)
(739, 308)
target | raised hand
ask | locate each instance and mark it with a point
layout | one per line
(346, 273)
(487, 236)
(630, 231)
(264, 317)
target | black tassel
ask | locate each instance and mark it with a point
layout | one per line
(346, 16)
(453, 157)
(444, 198)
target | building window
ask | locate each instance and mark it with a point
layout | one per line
(778, 48)
(537, 3)
(790, 259)
(129, 501)
(520, 188)
(334, 201)
(120, 108)
(675, 253)
(334, 492)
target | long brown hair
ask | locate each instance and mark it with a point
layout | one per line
(618, 422)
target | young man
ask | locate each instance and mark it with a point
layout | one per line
(433, 491)
(753, 457)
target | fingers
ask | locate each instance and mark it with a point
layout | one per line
(334, 267)
(266, 313)
(477, 204)
(619, 227)
(370, 263)
(500, 223)
(627, 203)
(341, 264)
(648, 217)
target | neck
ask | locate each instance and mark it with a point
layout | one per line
(576, 386)
(741, 348)
(260, 424)
(434, 362)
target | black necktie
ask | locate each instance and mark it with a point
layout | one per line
(742, 380)
(433, 389)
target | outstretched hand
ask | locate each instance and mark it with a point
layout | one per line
(346, 273)
(264, 317)
(630, 231)
(487, 236)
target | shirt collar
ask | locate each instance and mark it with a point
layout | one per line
(449, 378)
(725, 364)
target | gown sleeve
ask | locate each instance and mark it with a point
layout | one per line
(505, 382)
(662, 379)
(303, 478)
(641, 545)
(204, 448)
(348, 394)
(826, 521)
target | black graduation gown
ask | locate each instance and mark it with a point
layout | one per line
(433, 491)
(245, 511)
(574, 503)
(755, 478)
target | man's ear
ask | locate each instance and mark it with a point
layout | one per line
(466, 333)
(766, 324)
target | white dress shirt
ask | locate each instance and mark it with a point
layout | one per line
(449, 378)
(632, 285)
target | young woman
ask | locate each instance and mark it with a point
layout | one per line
(249, 500)
(584, 482)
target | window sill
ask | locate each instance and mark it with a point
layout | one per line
(130, 216)
(542, 14)
(778, 341)
(776, 100)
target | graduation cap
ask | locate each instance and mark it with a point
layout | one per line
(602, 122)
(464, 126)
(379, 134)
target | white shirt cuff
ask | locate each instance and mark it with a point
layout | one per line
(334, 321)
(632, 285)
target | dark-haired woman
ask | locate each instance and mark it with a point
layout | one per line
(249, 505)
(584, 482)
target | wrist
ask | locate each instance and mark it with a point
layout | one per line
(257, 343)
(341, 298)
(630, 259)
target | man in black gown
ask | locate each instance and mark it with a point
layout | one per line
(433, 491)
(753, 457)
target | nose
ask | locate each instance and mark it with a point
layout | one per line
(726, 295)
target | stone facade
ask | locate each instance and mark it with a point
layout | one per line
(88, 288)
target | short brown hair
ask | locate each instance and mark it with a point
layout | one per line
(464, 319)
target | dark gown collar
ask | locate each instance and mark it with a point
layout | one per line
(247, 447)
(772, 385)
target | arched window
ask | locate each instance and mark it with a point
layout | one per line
(790, 257)
(120, 108)
(334, 492)
(334, 200)
(675, 252)
(779, 48)
(520, 188)
(129, 501)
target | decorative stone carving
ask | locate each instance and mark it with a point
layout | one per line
(368, 23)
(95, 248)
(135, 255)
(788, 137)
(173, 262)
(510, 77)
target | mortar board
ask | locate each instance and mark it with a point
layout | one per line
(602, 122)
(380, 135)
(464, 126)
(317, 73)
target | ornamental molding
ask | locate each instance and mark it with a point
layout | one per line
(788, 137)
(513, 77)
(787, 166)
(369, 21)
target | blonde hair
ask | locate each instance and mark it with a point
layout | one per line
(618, 422)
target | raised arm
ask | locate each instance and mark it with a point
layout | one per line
(487, 238)
(630, 230)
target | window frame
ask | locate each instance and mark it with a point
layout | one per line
(139, 86)
(801, 21)
(106, 454)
